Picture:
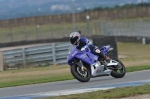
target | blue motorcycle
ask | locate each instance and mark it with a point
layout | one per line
(85, 65)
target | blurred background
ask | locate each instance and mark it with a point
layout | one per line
(49, 19)
(24, 22)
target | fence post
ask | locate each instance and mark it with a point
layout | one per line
(51, 31)
(37, 32)
(23, 57)
(144, 40)
(1, 61)
(11, 31)
(53, 53)
(25, 33)
(88, 24)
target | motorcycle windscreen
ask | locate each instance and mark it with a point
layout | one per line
(105, 49)
(88, 58)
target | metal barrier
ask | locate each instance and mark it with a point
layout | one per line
(55, 53)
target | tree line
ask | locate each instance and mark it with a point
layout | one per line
(125, 6)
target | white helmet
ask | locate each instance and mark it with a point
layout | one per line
(74, 37)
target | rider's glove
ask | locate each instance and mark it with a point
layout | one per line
(84, 48)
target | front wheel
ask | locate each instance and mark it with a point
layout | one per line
(119, 71)
(82, 75)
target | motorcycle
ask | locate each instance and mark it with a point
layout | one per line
(85, 65)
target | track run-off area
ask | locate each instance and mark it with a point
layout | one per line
(74, 86)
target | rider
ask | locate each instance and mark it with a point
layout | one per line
(82, 43)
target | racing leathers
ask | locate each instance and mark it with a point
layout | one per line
(85, 43)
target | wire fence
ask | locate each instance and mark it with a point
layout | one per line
(47, 31)
(138, 27)
(130, 28)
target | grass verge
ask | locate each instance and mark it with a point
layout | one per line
(109, 94)
(137, 68)
(43, 75)
(136, 54)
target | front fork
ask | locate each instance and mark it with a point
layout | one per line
(80, 64)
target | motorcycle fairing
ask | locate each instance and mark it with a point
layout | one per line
(72, 56)
(87, 57)
(112, 62)
(84, 56)
(97, 70)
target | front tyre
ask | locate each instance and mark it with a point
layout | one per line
(120, 71)
(79, 74)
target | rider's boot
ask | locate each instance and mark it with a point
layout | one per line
(101, 55)
(107, 59)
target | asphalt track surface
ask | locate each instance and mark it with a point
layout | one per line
(74, 84)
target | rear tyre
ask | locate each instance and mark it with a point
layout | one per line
(79, 74)
(120, 71)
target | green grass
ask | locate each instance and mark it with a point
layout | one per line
(136, 54)
(133, 19)
(137, 68)
(109, 94)
(34, 75)
(134, 49)
(33, 80)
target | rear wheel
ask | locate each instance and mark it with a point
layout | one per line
(119, 71)
(82, 75)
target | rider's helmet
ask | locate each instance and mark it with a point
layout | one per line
(74, 38)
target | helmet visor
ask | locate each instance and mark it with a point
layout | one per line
(74, 40)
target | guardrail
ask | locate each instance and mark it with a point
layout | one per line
(54, 53)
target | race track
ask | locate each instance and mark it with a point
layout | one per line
(130, 79)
